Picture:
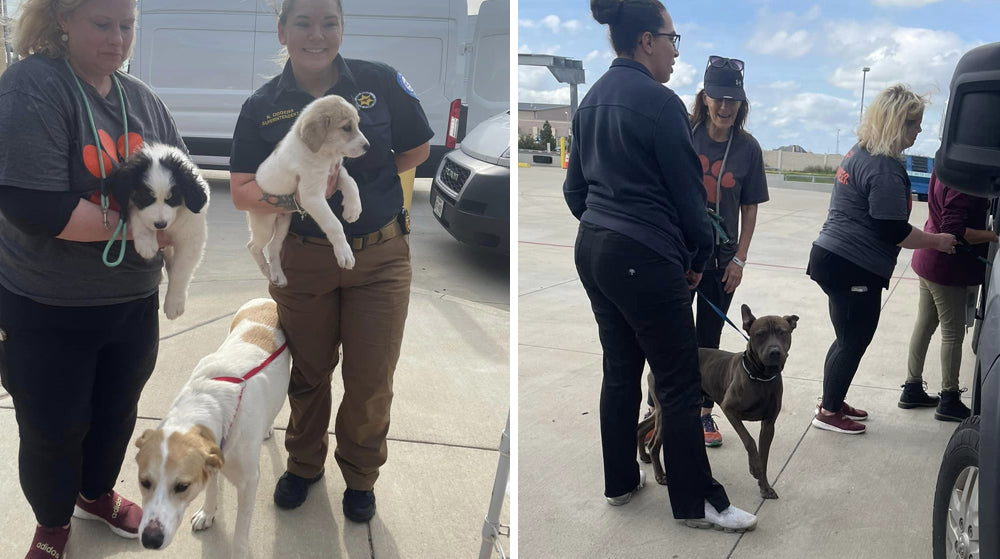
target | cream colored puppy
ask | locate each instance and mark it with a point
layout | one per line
(313, 150)
(218, 422)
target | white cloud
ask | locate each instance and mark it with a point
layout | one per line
(683, 75)
(783, 34)
(554, 24)
(783, 85)
(810, 111)
(536, 78)
(573, 25)
(527, 23)
(688, 101)
(555, 96)
(904, 3)
(704, 45)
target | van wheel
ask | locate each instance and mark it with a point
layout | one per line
(956, 499)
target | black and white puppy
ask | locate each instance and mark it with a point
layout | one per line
(160, 189)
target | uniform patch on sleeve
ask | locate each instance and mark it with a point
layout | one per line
(406, 85)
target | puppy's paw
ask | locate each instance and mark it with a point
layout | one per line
(147, 247)
(768, 492)
(345, 256)
(352, 210)
(173, 305)
(202, 521)
(278, 278)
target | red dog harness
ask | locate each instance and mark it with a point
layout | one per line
(242, 380)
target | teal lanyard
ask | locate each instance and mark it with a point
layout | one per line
(122, 227)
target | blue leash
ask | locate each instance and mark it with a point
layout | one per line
(719, 312)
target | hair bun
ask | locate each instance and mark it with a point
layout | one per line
(606, 11)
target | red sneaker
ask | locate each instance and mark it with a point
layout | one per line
(838, 423)
(849, 411)
(853, 413)
(120, 514)
(49, 543)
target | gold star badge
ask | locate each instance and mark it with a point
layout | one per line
(365, 99)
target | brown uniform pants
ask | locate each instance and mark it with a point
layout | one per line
(364, 309)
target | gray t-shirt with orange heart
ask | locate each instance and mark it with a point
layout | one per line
(743, 183)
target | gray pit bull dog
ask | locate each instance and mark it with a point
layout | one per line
(746, 385)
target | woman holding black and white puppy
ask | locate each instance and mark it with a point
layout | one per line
(78, 339)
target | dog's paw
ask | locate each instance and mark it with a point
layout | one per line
(352, 210)
(173, 305)
(278, 278)
(768, 493)
(147, 247)
(202, 521)
(345, 256)
(661, 479)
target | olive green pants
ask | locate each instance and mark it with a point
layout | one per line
(944, 305)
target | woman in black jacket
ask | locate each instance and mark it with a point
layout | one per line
(635, 183)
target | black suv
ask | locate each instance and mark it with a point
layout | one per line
(966, 497)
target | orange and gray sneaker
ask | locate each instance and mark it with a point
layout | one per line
(712, 435)
(49, 543)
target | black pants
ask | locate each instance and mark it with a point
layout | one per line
(74, 374)
(855, 315)
(708, 322)
(643, 310)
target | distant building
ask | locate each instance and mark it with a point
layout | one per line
(794, 148)
(531, 117)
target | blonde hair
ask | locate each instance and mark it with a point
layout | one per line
(37, 29)
(883, 127)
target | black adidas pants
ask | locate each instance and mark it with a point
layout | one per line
(74, 375)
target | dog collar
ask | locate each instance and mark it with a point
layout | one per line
(743, 363)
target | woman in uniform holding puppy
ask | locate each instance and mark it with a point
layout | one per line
(324, 306)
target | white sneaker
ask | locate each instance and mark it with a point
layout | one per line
(622, 499)
(730, 520)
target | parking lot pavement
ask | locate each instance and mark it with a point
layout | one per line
(451, 401)
(840, 496)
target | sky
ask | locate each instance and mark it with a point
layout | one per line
(803, 59)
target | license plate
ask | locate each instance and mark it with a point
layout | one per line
(438, 206)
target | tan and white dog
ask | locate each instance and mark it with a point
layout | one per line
(325, 132)
(218, 422)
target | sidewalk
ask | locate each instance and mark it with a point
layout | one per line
(451, 401)
(840, 496)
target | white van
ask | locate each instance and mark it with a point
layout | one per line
(204, 58)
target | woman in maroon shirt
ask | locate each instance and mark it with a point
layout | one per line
(945, 284)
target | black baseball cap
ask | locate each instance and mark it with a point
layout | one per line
(723, 80)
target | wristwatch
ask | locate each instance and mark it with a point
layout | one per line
(739, 262)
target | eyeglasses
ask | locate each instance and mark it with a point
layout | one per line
(675, 38)
(722, 62)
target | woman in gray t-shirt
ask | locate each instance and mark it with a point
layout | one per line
(853, 258)
(78, 339)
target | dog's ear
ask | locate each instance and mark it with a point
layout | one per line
(188, 182)
(314, 130)
(124, 180)
(214, 459)
(142, 438)
(748, 317)
(792, 320)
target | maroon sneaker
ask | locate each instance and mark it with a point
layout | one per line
(839, 423)
(49, 543)
(853, 413)
(120, 514)
(849, 411)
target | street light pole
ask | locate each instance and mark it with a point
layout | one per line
(838, 142)
(864, 73)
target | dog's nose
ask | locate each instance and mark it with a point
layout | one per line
(152, 536)
(160, 224)
(366, 147)
(774, 353)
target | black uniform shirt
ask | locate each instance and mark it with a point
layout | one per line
(391, 119)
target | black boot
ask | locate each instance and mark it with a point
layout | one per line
(951, 407)
(914, 396)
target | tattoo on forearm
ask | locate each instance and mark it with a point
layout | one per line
(283, 201)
